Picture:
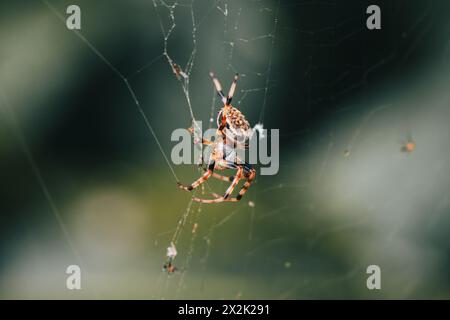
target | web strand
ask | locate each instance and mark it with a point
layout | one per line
(38, 175)
(125, 80)
(269, 66)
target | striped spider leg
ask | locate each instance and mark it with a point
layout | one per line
(243, 172)
(220, 160)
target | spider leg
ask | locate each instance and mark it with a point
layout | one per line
(207, 142)
(221, 177)
(232, 89)
(199, 181)
(247, 184)
(245, 187)
(218, 87)
(204, 141)
(217, 200)
(234, 183)
(227, 193)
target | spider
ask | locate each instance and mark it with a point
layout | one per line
(233, 131)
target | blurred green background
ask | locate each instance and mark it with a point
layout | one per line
(83, 181)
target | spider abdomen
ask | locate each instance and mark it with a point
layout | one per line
(238, 128)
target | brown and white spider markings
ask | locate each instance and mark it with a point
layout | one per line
(232, 133)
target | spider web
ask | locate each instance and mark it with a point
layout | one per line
(166, 13)
(228, 47)
(280, 241)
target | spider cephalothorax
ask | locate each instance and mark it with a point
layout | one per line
(233, 130)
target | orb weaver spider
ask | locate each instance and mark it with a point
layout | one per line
(233, 130)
